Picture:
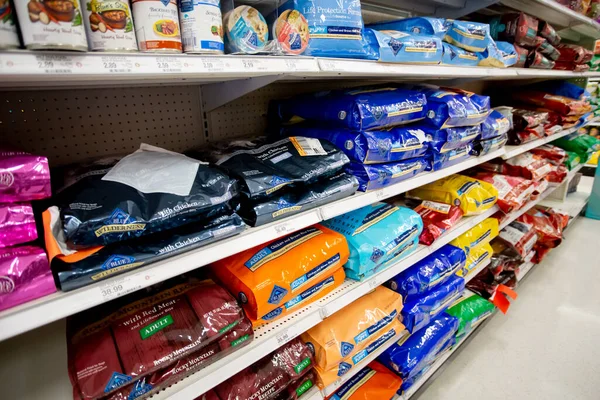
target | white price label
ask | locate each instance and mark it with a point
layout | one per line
(55, 64)
(120, 287)
(380, 194)
(373, 283)
(291, 65)
(284, 227)
(254, 64)
(168, 64)
(117, 64)
(285, 336)
(212, 64)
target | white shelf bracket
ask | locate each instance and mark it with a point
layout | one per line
(215, 95)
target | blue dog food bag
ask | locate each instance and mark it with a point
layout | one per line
(356, 109)
(509, 53)
(377, 235)
(449, 109)
(450, 158)
(377, 176)
(443, 140)
(419, 310)
(368, 147)
(453, 55)
(468, 35)
(407, 358)
(428, 273)
(335, 27)
(402, 47)
(417, 25)
(496, 124)
(483, 147)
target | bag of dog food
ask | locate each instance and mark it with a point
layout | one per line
(520, 29)
(453, 55)
(443, 140)
(271, 275)
(357, 109)
(377, 235)
(492, 56)
(416, 25)
(270, 375)
(574, 53)
(452, 157)
(17, 224)
(326, 190)
(539, 61)
(469, 35)
(476, 258)
(264, 169)
(510, 55)
(528, 166)
(520, 236)
(373, 382)
(427, 274)
(548, 229)
(437, 219)
(522, 54)
(482, 147)
(148, 191)
(477, 236)
(558, 174)
(369, 147)
(403, 47)
(573, 160)
(552, 153)
(547, 31)
(546, 49)
(377, 176)
(448, 109)
(23, 177)
(25, 275)
(300, 386)
(419, 311)
(471, 195)
(562, 105)
(145, 333)
(470, 312)
(494, 125)
(409, 357)
(354, 327)
(513, 192)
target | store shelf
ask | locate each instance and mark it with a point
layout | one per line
(363, 199)
(590, 165)
(575, 202)
(570, 175)
(23, 68)
(524, 269)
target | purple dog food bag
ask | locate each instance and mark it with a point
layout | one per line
(17, 224)
(23, 177)
(24, 275)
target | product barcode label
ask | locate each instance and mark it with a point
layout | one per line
(189, 41)
(439, 207)
(308, 146)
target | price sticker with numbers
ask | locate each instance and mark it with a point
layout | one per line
(169, 64)
(120, 287)
(56, 64)
(285, 227)
(118, 64)
(212, 64)
(286, 335)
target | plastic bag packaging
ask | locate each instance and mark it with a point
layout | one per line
(148, 191)
(516, 138)
(402, 47)
(246, 30)
(560, 104)
(437, 219)
(419, 311)
(520, 29)
(23, 177)
(356, 326)
(521, 56)
(571, 66)
(452, 157)
(547, 31)
(547, 50)
(583, 145)
(298, 387)
(483, 147)
(274, 274)
(510, 55)
(443, 140)
(453, 55)
(429, 273)
(88, 266)
(523, 119)
(528, 166)
(513, 192)
(539, 61)
(558, 174)
(552, 153)
(448, 109)
(492, 56)
(469, 35)
(548, 229)
(408, 358)
(485, 285)
(377, 176)
(25, 275)
(335, 28)
(471, 195)
(377, 235)
(470, 312)
(574, 53)
(476, 258)
(369, 147)
(325, 191)
(239, 336)
(477, 236)
(494, 125)
(269, 376)
(357, 109)
(416, 25)
(148, 332)
(520, 236)
(573, 160)
(17, 224)
(265, 169)
(373, 382)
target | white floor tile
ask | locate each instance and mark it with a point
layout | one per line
(548, 345)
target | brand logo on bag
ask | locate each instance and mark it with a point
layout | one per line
(117, 261)
(119, 221)
(117, 380)
(346, 348)
(277, 295)
(344, 367)
(6, 285)
(6, 179)
(396, 46)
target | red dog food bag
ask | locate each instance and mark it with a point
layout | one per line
(145, 335)
(528, 166)
(520, 236)
(521, 29)
(210, 395)
(547, 31)
(513, 191)
(437, 219)
(552, 153)
(549, 230)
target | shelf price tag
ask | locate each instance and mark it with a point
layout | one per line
(117, 64)
(56, 64)
(380, 194)
(373, 283)
(212, 64)
(254, 64)
(120, 287)
(169, 64)
(284, 228)
(286, 335)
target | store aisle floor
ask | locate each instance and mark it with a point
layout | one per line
(546, 347)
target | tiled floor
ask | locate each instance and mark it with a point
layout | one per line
(548, 345)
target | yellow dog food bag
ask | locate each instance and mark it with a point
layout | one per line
(477, 236)
(479, 256)
(471, 195)
(354, 327)
(269, 276)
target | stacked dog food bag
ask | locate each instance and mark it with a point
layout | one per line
(24, 269)
(119, 213)
(426, 40)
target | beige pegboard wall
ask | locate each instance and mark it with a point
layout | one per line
(72, 125)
